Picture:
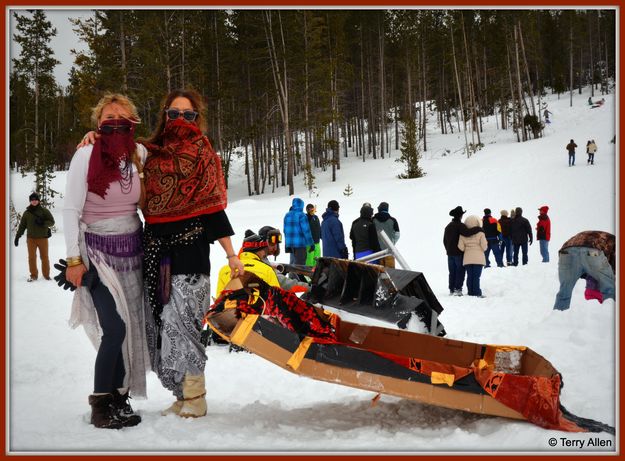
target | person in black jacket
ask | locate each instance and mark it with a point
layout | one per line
(452, 234)
(492, 229)
(363, 235)
(520, 233)
(315, 230)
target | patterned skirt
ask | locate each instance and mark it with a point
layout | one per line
(181, 351)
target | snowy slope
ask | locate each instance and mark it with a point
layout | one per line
(255, 406)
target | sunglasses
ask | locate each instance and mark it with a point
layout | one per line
(109, 129)
(274, 238)
(188, 115)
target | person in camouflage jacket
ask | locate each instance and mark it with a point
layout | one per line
(36, 222)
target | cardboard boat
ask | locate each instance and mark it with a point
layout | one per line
(508, 381)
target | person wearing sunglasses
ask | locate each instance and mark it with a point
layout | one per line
(184, 213)
(253, 254)
(103, 241)
(274, 238)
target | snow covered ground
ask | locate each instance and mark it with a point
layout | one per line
(255, 406)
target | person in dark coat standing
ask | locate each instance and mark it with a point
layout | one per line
(36, 221)
(504, 223)
(332, 235)
(452, 234)
(570, 147)
(385, 222)
(297, 237)
(363, 234)
(543, 232)
(493, 234)
(315, 230)
(521, 233)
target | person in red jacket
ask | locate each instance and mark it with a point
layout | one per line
(543, 232)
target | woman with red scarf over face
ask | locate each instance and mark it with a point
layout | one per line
(103, 236)
(184, 213)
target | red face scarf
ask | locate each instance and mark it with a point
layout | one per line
(108, 151)
(183, 176)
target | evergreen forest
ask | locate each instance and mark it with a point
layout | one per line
(291, 92)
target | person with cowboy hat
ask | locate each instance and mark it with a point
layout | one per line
(452, 234)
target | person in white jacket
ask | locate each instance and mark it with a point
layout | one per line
(473, 259)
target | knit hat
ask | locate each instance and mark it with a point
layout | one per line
(457, 212)
(253, 242)
(487, 211)
(333, 205)
(33, 196)
(383, 206)
(504, 213)
(544, 209)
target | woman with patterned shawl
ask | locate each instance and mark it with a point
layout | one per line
(184, 213)
(104, 259)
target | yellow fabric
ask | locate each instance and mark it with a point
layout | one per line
(253, 264)
(442, 378)
(297, 357)
(243, 330)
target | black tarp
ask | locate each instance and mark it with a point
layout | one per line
(373, 291)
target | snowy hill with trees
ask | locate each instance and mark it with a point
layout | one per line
(255, 406)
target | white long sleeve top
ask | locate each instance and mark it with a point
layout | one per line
(81, 205)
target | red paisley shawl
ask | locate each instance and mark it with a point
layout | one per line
(183, 177)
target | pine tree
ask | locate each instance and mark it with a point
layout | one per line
(410, 151)
(35, 65)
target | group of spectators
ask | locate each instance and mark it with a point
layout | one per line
(303, 233)
(469, 244)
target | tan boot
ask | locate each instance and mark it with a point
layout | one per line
(194, 391)
(173, 409)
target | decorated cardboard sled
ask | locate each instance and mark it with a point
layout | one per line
(508, 381)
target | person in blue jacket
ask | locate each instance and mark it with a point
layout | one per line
(332, 235)
(297, 236)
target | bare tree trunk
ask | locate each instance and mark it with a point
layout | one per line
(571, 62)
(122, 47)
(424, 87)
(279, 71)
(592, 64)
(382, 88)
(453, 47)
(519, 86)
(527, 70)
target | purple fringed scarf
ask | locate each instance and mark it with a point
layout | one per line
(122, 252)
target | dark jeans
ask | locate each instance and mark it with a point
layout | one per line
(571, 158)
(474, 272)
(493, 244)
(456, 273)
(298, 256)
(515, 258)
(591, 158)
(109, 362)
(507, 248)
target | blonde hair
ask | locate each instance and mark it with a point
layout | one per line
(126, 103)
(114, 98)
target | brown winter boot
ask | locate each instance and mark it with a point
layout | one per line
(194, 391)
(103, 413)
(173, 409)
(124, 411)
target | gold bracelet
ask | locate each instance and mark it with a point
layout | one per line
(73, 261)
